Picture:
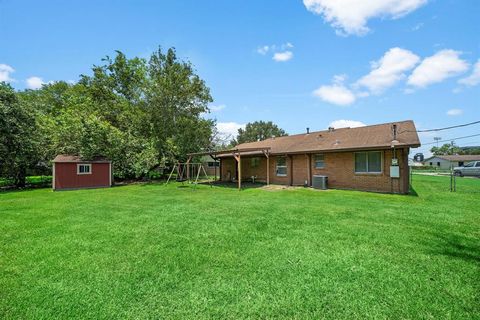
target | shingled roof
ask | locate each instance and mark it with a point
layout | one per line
(62, 158)
(458, 157)
(378, 136)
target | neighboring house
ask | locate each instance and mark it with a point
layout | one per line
(72, 172)
(212, 166)
(450, 161)
(373, 158)
(413, 163)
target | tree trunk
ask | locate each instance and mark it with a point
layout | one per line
(20, 179)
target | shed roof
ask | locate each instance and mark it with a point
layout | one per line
(457, 157)
(63, 158)
(343, 139)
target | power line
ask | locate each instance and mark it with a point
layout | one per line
(447, 140)
(441, 129)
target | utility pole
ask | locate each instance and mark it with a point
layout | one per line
(437, 139)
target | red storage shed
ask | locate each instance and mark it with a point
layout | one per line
(72, 172)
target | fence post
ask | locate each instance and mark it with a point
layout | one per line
(454, 183)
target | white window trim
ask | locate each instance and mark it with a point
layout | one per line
(84, 164)
(370, 172)
(277, 166)
(315, 161)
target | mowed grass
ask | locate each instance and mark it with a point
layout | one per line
(154, 251)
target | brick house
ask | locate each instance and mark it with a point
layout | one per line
(370, 158)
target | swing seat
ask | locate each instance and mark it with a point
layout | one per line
(181, 179)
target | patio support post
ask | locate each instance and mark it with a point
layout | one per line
(239, 172)
(239, 169)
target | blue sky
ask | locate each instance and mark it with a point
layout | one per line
(298, 63)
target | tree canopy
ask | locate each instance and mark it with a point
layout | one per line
(258, 130)
(451, 148)
(140, 113)
(446, 149)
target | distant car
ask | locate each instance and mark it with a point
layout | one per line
(469, 169)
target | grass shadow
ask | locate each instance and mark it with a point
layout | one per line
(412, 192)
(233, 185)
(456, 246)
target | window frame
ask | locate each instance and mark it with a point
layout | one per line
(315, 161)
(254, 162)
(283, 166)
(368, 172)
(89, 165)
(216, 164)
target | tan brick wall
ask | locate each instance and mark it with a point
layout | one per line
(339, 167)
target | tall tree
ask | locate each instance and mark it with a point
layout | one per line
(18, 137)
(446, 149)
(259, 130)
(138, 113)
(176, 98)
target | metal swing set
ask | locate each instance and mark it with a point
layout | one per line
(185, 172)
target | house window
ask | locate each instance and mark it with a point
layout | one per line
(213, 164)
(281, 166)
(319, 161)
(84, 168)
(254, 162)
(438, 164)
(368, 162)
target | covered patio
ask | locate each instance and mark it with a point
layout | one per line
(237, 155)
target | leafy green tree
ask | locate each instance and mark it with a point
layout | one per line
(446, 149)
(18, 137)
(176, 98)
(139, 114)
(258, 130)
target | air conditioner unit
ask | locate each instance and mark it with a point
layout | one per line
(319, 182)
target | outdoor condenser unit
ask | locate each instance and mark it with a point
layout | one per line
(319, 182)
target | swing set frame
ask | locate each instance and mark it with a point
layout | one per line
(184, 170)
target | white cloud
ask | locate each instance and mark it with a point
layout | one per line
(35, 82)
(455, 112)
(442, 65)
(280, 53)
(217, 108)
(346, 124)
(5, 71)
(229, 130)
(474, 78)
(351, 16)
(336, 93)
(282, 56)
(418, 26)
(263, 50)
(388, 70)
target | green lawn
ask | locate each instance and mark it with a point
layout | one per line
(153, 251)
